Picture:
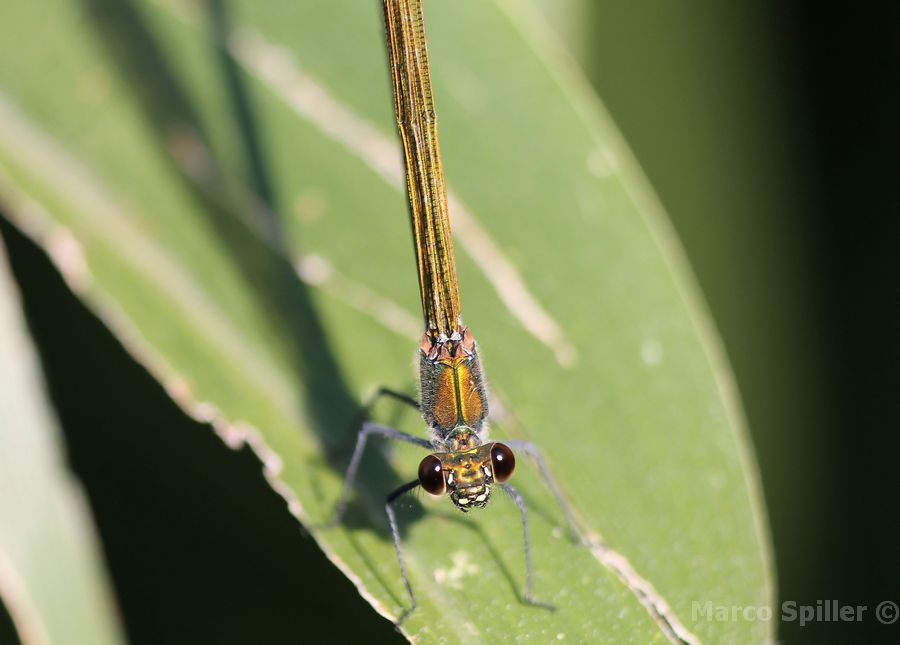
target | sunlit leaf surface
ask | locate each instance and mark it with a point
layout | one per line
(221, 183)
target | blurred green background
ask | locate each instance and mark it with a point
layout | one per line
(768, 131)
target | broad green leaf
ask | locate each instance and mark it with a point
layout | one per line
(52, 579)
(221, 183)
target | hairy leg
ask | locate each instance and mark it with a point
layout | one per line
(523, 510)
(395, 534)
(391, 394)
(369, 429)
(535, 453)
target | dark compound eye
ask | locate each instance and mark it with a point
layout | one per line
(503, 462)
(431, 476)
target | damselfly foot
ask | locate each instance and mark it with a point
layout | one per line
(534, 602)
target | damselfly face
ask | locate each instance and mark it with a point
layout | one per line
(467, 475)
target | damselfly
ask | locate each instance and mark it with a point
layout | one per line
(462, 463)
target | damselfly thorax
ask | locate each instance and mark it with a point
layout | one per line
(452, 385)
(454, 405)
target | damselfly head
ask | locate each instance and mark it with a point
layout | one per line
(468, 476)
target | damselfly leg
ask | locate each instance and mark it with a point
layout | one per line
(535, 453)
(370, 429)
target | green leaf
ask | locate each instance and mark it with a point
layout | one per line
(52, 579)
(221, 183)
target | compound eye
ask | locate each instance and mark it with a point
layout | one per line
(503, 462)
(431, 476)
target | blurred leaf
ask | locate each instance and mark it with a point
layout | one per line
(51, 575)
(220, 183)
